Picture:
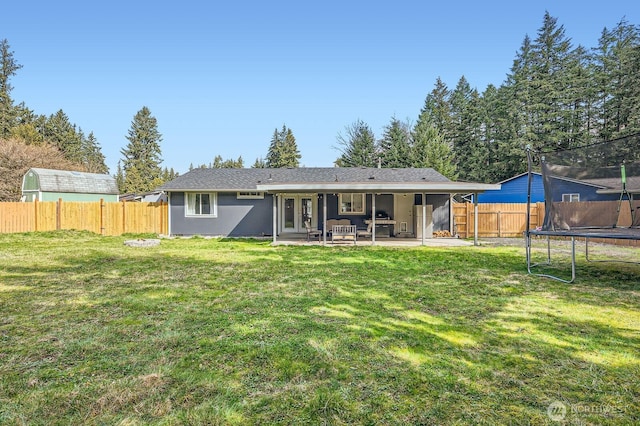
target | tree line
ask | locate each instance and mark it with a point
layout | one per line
(555, 96)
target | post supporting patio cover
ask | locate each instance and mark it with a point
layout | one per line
(373, 218)
(275, 217)
(475, 219)
(424, 216)
(324, 218)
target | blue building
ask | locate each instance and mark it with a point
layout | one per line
(514, 190)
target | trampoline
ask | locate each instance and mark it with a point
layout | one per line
(591, 192)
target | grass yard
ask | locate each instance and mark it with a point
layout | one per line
(206, 331)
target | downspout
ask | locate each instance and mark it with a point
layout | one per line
(168, 213)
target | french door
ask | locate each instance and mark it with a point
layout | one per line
(295, 210)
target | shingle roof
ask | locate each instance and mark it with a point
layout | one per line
(248, 179)
(75, 182)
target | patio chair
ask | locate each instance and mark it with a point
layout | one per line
(364, 233)
(312, 232)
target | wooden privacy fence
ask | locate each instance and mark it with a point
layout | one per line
(99, 217)
(496, 220)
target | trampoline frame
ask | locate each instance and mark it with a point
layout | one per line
(619, 233)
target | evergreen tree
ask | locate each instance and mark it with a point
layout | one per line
(616, 78)
(496, 133)
(8, 68)
(470, 151)
(93, 158)
(437, 110)
(395, 145)
(142, 156)
(358, 146)
(219, 163)
(168, 174)
(553, 88)
(431, 150)
(59, 132)
(29, 127)
(119, 176)
(259, 163)
(283, 151)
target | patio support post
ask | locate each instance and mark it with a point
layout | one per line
(373, 218)
(275, 217)
(424, 216)
(475, 219)
(324, 218)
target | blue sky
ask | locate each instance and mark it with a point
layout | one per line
(220, 77)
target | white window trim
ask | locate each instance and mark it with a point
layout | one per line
(250, 195)
(360, 212)
(571, 198)
(213, 199)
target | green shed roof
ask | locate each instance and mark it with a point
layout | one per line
(47, 180)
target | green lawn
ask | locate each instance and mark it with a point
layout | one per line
(205, 331)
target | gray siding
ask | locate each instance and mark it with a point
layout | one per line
(384, 203)
(236, 218)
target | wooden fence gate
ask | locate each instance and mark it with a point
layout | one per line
(496, 220)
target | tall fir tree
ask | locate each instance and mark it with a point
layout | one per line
(93, 159)
(395, 145)
(616, 78)
(260, 163)
(358, 146)
(283, 150)
(220, 163)
(470, 151)
(437, 110)
(142, 155)
(431, 150)
(8, 68)
(29, 127)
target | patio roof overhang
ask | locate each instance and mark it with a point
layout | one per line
(380, 187)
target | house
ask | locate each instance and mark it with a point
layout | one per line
(514, 190)
(51, 185)
(145, 197)
(271, 202)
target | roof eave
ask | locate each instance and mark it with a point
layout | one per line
(411, 187)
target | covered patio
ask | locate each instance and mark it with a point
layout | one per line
(301, 240)
(375, 189)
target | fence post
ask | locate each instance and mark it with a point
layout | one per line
(468, 225)
(101, 216)
(59, 214)
(124, 219)
(499, 226)
(35, 215)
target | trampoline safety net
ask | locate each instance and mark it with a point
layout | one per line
(593, 187)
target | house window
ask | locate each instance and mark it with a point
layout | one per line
(202, 204)
(351, 203)
(570, 198)
(248, 195)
